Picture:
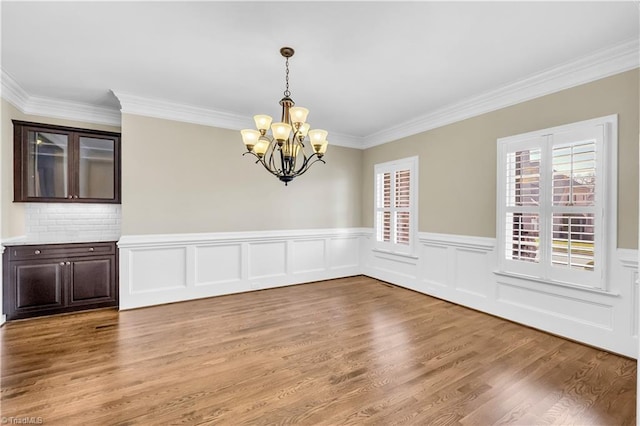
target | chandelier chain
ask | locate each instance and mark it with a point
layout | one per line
(287, 93)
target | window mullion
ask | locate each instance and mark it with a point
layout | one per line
(545, 205)
(392, 198)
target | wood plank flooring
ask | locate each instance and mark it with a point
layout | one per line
(347, 351)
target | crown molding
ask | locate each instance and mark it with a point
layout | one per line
(56, 108)
(347, 141)
(148, 107)
(75, 111)
(12, 92)
(604, 63)
(157, 108)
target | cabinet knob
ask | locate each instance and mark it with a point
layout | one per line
(37, 252)
(61, 263)
(68, 263)
(75, 196)
(90, 248)
(70, 196)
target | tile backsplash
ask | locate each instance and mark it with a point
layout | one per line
(72, 222)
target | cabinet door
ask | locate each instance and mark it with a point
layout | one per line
(97, 175)
(45, 165)
(92, 280)
(36, 286)
(65, 164)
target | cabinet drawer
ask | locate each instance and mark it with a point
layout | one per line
(47, 251)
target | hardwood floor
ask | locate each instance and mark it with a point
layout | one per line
(347, 351)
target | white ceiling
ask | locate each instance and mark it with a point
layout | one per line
(360, 67)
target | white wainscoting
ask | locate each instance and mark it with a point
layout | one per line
(157, 269)
(462, 269)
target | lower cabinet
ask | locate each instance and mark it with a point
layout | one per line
(56, 278)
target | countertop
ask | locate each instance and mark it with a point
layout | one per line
(24, 241)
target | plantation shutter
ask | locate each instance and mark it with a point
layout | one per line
(402, 205)
(523, 205)
(395, 205)
(553, 205)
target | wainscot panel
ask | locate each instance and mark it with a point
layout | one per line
(462, 269)
(156, 269)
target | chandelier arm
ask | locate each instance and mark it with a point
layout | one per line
(273, 168)
(261, 161)
(301, 172)
(305, 161)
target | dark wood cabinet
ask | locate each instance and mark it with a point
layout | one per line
(56, 278)
(65, 164)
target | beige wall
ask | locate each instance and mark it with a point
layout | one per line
(13, 224)
(180, 178)
(458, 162)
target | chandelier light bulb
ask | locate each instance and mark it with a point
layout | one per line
(303, 130)
(298, 115)
(317, 136)
(261, 147)
(250, 137)
(281, 131)
(262, 122)
(323, 148)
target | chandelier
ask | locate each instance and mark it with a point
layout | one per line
(283, 152)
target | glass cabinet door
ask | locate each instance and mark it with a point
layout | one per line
(96, 168)
(56, 164)
(47, 174)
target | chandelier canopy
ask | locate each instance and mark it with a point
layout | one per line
(283, 153)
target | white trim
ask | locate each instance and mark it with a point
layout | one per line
(75, 111)
(550, 282)
(56, 108)
(603, 63)
(628, 258)
(156, 269)
(461, 241)
(12, 92)
(164, 240)
(148, 107)
(461, 269)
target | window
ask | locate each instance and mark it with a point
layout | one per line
(556, 195)
(396, 184)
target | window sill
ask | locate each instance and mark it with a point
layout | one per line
(556, 283)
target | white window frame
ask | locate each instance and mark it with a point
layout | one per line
(411, 164)
(606, 204)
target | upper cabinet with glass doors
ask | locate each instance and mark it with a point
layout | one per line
(64, 164)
